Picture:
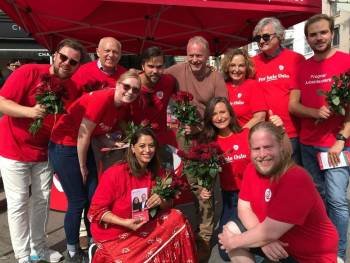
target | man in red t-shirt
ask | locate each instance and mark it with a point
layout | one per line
(23, 156)
(156, 91)
(104, 72)
(276, 72)
(279, 208)
(321, 129)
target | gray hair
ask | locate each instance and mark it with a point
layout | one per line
(199, 40)
(276, 23)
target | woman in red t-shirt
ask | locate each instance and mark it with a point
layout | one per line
(123, 236)
(238, 70)
(71, 156)
(220, 125)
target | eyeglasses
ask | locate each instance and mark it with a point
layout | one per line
(265, 37)
(64, 58)
(127, 87)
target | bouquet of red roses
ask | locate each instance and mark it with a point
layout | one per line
(49, 93)
(167, 187)
(184, 111)
(203, 161)
(339, 95)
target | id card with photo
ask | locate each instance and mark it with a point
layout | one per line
(322, 158)
(138, 203)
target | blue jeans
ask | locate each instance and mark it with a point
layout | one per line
(229, 213)
(64, 160)
(332, 185)
(296, 155)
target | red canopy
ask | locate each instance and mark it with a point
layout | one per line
(142, 23)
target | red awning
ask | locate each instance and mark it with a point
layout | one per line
(142, 23)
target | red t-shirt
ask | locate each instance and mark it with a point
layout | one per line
(152, 105)
(114, 194)
(237, 157)
(314, 76)
(98, 107)
(293, 199)
(89, 73)
(16, 142)
(246, 99)
(278, 77)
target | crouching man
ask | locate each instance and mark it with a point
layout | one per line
(282, 215)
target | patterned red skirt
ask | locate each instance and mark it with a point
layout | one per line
(167, 238)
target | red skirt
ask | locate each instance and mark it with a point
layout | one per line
(167, 238)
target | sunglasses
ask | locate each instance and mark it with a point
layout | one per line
(127, 87)
(64, 58)
(265, 37)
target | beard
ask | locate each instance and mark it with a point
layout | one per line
(59, 74)
(282, 161)
(324, 50)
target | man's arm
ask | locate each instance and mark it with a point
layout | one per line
(299, 110)
(16, 110)
(246, 214)
(338, 146)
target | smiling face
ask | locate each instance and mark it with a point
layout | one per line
(153, 69)
(266, 152)
(269, 47)
(197, 56)
(319, 36)
(127, 91)
(65, 62)
(221, 117)
(237, 69)
(109, 53)
(144, 150)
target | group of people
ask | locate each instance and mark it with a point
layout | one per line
(264, 113)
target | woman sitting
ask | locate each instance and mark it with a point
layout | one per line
(119, 234)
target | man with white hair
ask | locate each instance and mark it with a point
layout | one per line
(196, 77)
(276, 72)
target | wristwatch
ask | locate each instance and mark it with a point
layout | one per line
(340, 137)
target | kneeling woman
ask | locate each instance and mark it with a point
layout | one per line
(122, 238)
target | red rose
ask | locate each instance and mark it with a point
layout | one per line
(145, 123)
(155, 126)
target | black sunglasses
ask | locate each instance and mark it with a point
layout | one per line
(64, 58)
(265, 37)
(127, 87)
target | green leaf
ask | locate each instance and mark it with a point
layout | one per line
(153, 211)
(336, 101)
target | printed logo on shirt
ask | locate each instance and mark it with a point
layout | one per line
(318, 79)
(273, 77)
(235, 147)
(281, 67)
(160, 94)
(239, 95)
(268, 195)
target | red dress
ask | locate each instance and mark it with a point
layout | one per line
(166, 238)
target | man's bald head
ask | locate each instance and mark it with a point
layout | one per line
(109, 52)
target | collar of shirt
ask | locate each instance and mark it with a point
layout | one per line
(110, 73)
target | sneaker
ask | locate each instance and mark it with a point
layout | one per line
(92, 251)
(47, 255)
(79, 257)
(340, 260)
(24, 260)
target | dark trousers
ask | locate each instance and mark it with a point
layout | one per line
(229, 213)
(64, 160)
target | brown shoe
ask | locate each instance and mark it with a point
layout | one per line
(204, 250)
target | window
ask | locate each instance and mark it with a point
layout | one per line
(336, 37)
(307, 48)
(334, 9)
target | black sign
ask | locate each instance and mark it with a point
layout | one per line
(12, 30)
